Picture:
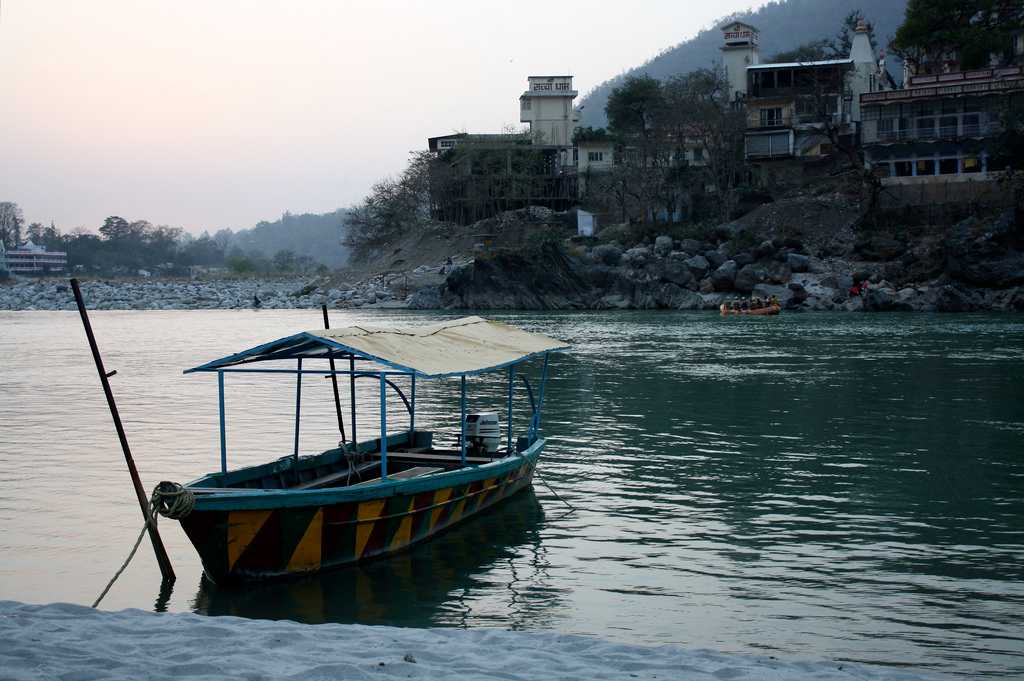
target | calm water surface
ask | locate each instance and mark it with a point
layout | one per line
(840, 487)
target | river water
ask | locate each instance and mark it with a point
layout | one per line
(821, 486)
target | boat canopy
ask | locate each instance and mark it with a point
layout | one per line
(460, 347)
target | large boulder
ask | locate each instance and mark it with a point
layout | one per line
(691, 246)
(748, 277)
(663, 245)
(637, 257)
(699, 266)
(952, 298)
(765, 250)
(798, 262)
(714, 258)
(608, 254)
(678, 273)
(724, 277)
(743, 259)
(428, 298)
(878, 299)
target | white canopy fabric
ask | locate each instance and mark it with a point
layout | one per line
(461, 346)
(464, 346)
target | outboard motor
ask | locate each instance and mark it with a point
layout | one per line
(483, 432)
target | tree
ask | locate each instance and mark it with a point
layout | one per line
(11, 220)
(34, 233)
(971, 30)
(699, 113)
(393, 207)
(632, 106)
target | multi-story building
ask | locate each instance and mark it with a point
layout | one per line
(940, 125)
(798, 110)
(33, 259)
(547, 106)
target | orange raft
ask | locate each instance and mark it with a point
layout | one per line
(759, 312)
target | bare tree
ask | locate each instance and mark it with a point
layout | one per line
(699, 115)
(11, 221)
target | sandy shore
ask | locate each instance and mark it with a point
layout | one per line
(75, 643)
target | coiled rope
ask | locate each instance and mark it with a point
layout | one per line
(169, 499)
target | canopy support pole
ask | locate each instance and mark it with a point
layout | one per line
(412, 412)
(298, 405)
(334, 381)
(352, 390)
(166, 571)
(462, 440)
(511, 378)
(223, 429)
(543, 387)
(383, 429)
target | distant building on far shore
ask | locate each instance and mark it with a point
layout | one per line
(32, 259)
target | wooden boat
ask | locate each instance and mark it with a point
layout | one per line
(365, 499)
(759, 312)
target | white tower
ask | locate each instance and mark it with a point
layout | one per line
(739, 51)
(866, 76)
(547, 107)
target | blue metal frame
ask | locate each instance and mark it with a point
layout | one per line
(303, 342)
(223, 427)
(412, 411)
(511, 381)
(383, 428)
(298, 405)
(462, 439)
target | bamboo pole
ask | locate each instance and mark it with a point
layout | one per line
(334, 381)
(154, 535)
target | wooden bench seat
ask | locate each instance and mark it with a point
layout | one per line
(404, 475)
(330, 479)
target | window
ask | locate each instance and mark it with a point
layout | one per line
(947, 126)
(949, 166)
(771, 117)
(446, 144)
(882, 169)
(926, 127)
(972, 165)
(595, 156)
(972, 125)
(903, 168)
(925, 166)
(784, 79)
(527, 104)
(698, 155)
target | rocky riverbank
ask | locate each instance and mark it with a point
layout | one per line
(809, 252)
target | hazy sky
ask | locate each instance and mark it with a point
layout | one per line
(221, 113)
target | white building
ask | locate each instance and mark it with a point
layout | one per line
(739, 51)
(548, 107)
(33, 259)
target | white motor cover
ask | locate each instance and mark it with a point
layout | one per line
(484, 430)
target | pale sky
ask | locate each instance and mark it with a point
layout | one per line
(220, 113)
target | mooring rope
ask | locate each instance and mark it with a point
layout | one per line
(572, 509)
(169, 499)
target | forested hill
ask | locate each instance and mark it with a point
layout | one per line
(309, 234)
(784, 25)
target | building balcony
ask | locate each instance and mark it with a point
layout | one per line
(755, 121)
(873, 133)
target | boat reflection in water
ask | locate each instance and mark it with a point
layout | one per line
(431, 584)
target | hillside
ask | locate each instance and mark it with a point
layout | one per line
(309, 234)
(784, 25)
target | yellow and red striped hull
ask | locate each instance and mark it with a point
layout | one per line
(293, 538)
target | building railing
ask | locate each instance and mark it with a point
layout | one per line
(962, 76)
(912, 94)
(756, 122)
(871, 134)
